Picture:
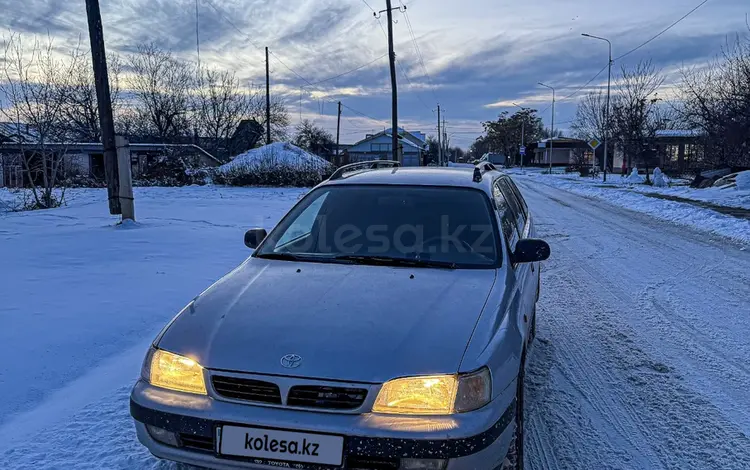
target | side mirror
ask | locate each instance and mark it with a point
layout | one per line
(254, 237)
(531, 250)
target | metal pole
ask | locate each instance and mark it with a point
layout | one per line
(606, 112)
(394, 85)
(552, 137)
(104, 102)
(440, 141)
(606, 120)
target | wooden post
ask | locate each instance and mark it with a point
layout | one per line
(104, 102)
(127, 204)
(268, 101)
(394, 86)
(338, 134)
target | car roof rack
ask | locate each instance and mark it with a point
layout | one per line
(369, 165)
(482, 168)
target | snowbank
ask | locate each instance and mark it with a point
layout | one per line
(276, 155)
(743, 181)
(635, 178)
(659, 179)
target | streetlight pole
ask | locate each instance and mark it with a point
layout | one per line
(523, 130)
(606, 112)
(552, 137)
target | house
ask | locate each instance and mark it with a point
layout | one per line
(380, 147)
(563, 151)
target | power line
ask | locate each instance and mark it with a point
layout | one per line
(663, 31)
(311, 84)
(420, 57)
(351, 71)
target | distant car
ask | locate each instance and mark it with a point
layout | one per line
(383, 323)
(497, 159)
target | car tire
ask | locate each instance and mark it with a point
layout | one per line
(514, 458)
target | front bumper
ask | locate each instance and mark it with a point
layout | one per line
(476, 440)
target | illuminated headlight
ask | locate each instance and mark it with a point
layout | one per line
(435, 394)
(174, 372)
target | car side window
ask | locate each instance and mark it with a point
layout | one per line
(507, 219)
(518, 194)
(515, 206)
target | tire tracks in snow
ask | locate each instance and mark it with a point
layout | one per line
(655, 416)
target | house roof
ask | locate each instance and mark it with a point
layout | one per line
(679, 133)
(18, 132)
(388, 133)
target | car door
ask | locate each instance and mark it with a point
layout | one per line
(524, 273)
(509, 227)
(530, 232)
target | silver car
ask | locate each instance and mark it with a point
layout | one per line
(383, 324)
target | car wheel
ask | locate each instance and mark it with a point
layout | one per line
(514, 458)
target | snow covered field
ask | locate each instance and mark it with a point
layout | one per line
(641, 361)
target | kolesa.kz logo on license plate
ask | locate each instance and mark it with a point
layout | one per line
(281, 445)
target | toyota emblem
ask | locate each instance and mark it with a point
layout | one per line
(291, 361)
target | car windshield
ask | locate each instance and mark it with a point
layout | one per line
(407, 225)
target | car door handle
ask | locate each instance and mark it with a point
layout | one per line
(532, 267)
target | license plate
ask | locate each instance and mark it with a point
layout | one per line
(282, 445)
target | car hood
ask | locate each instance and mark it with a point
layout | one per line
(346, 322)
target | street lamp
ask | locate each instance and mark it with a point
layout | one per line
(552, 136)
(606, 113)
(523, 129)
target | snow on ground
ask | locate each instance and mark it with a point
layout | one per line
(80, 298)
(641, 357)
(276, 154)
(632, 197)
(743, 181)
(640, 361)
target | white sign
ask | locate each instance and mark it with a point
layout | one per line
(523, 150)
(284, 446)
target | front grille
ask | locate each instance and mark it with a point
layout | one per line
(332, 398)
(247, 390)
(199, 443)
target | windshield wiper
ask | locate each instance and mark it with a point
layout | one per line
(395, 261)
(282, 256)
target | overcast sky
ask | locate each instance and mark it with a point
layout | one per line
(480, 55)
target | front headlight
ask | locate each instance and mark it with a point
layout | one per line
(174, 372)
(435, 394)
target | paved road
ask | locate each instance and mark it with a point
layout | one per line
(644, 340)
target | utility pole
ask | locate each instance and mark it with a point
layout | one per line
(440, 141)
(197, 37)
(552, 137)
(338, 134)
(446, 156)
(394, 86)
(104, 102)
(606, 112)
(268, 101)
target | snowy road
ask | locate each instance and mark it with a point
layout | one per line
(644, 334)
(641, 360)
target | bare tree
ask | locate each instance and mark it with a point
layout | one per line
(279, 115)
(716, 100)
(591, 117)
(635, 112)
(314, 139)
(81, 107)
(220, 105)
(162, 87)
(35, 92)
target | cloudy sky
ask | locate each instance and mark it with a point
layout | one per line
(479, 56)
